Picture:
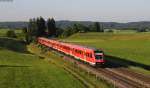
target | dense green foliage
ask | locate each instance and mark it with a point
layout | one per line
(11, 34)
(38, 27)
(98, 27)
(51, 26)
(41, 27)
(76, 28)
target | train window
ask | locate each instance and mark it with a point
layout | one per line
(76, 51)
(98, 57)
(80, 52)
(87, 54)
(90, 55)
(98, 51)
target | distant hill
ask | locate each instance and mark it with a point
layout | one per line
(12, 24)
(65, 24)
(115, 25)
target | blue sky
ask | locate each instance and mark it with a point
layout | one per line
(79, 10)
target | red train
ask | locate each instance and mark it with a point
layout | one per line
(90, 55)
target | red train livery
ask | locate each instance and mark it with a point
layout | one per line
(90, 55)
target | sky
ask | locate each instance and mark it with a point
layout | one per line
(76, 10)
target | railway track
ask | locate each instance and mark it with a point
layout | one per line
(137, 77)
(120, 80)
(120, 77)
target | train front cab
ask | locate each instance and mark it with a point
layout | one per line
(99, 58)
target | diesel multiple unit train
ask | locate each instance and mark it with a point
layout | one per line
(92, 56)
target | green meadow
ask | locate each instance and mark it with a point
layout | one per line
(133, 47)
(21, 69)
(23, 66)
(4, 31)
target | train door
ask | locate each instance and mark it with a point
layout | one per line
(84, 53)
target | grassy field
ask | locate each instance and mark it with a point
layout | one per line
(26, 67)
(21, 69)
(134, 47)
(4, 31)
(89, 80)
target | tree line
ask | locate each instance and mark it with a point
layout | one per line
(38, 27)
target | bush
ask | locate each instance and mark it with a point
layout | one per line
(11, 34)
(110, 30)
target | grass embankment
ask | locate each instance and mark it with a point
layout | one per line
(132, 48)
(89, 80)
(21, 69)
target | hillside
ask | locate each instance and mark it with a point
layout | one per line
(64, 24)
(12, 24)
(107, 25)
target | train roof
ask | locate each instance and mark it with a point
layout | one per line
(74, 45)
(95, 49)
(81, 46)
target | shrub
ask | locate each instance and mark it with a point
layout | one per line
(11, 34)
(110, 30)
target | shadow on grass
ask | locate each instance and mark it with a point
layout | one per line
(12, 66)
(13, 45)
(121, 62)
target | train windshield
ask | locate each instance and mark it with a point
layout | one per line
(98, 55)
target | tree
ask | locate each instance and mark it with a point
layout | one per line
(34, 28)
(143, 29)
(51, 26)
(75, 28)
(79, 28)
(30, 26)
(91, 27)
(28, 38)
(101, 27)
(30, 32)
(24, 30)
(67, 32)
(82, 28)
(41, 28)
(98, 27)
(38, 26)
(110, 30)
(59, 32)
(11, 34)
